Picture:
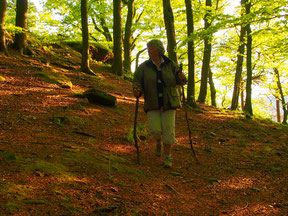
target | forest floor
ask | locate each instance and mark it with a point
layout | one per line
(61, 155)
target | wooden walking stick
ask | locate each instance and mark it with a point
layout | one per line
(135, 131)
(188, 125)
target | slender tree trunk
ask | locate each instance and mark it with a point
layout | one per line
(170, 30)
(191, 55)
(207, 56)
(212, 89)
(117, 38)
(21, 21)
(278, 110)
(248, 102)
(242, 96)
(239, 67)
(279, 85)
(85, 38)
(128, 37)
(3, 7)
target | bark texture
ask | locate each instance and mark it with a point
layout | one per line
(206, 56)
(85, 38)
(170, 30)
(128, 37)
(248, 101)
(191, 55)
(239, 67)
(21, 21)
(117, 38)
(3, 8)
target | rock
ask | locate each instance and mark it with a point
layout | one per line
(95, 96)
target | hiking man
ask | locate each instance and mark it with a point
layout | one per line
(157, 78)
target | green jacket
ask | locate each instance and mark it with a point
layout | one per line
(145, 80)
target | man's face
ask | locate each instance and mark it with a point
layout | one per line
(153, 52)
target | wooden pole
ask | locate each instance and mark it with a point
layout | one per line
(188, 125)
(135, 131)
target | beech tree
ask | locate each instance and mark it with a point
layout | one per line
(3, 7)
(170, 30)
(191, 55)
(206, 55)
(117, 38)
(21, 22)
(85, 38)
(248, 101)
(239, 64)
(128, 37)
(282, 96)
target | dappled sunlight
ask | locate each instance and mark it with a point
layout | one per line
(237, 183)
(252, 209)
(127, 99)
(92, 110)
(120, 148)
(68, 178)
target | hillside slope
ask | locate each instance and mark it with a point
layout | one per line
(60, 155)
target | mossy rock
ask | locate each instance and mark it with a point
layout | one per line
(2, 79)
(99, 97)
(97, 51)
(56, 78)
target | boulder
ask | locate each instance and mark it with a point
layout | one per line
(96, 96)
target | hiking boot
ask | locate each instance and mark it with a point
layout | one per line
(167, 161)
(158, 149)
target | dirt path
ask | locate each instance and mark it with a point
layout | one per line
(60, 155)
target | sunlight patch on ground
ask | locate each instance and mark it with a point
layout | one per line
(92, 110)
(69, 178)
(237, 183)
(2, 93)
(59, 100)
(39, 89)
(121, 148)
(248, 209)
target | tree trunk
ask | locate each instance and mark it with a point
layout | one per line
(212, 89)
(207, 55)
(242, 96)
(85, 38)
(239, 67)
(170, 30)
(248, 101)
(191, 55)
(278, 110)
(117, 38)
(105, 30)
(21, 21)
(279, 85)
(128, 37)
(3, 7)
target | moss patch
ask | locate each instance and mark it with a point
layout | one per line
(56, 78)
